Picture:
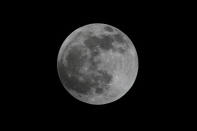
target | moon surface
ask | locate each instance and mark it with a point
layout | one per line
(124, 67)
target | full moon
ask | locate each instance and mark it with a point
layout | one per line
(123, 67)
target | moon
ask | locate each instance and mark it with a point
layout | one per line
(124, 67)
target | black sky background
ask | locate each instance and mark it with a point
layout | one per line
(37, 34)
